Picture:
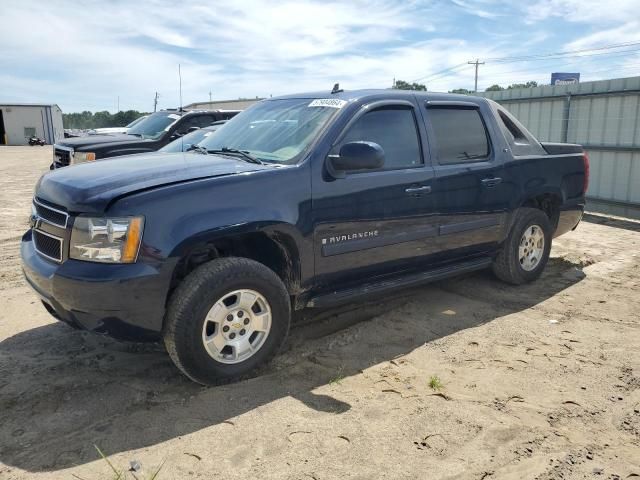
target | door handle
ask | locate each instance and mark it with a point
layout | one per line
(418, 190)
(491, 182)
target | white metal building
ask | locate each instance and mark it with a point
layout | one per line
(19, 121)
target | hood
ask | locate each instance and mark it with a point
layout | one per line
(110, 130)
(83, 142)
(90, 187)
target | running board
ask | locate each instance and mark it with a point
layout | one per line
(358, 293)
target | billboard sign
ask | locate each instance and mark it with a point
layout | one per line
(561, 78)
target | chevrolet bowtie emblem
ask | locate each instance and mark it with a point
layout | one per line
(236, 325)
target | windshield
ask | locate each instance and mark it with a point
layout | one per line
(154, 125)
(136, 121)
(275, 130)
(185, 142)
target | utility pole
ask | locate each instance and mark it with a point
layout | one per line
(155, 102)
(476, 63)
(210, 104)
(118, 104)
(180, 78)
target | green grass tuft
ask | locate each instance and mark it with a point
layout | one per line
(435, 383)
(122, 475)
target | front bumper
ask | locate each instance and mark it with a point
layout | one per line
(124, 301)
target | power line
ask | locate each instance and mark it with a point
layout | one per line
(561, 54)
(540, 57)
(428, 77)
(538, 71)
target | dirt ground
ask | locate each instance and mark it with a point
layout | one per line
(537, 382)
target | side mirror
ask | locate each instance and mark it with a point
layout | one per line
(176, 135)
(356, 156)
(192, 129)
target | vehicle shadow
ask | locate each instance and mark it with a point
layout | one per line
(63, 391)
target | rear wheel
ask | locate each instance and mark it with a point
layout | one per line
(526, 250)
(227, 318)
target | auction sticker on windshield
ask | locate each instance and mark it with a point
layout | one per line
(328, 102)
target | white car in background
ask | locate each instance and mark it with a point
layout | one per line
(111, 130)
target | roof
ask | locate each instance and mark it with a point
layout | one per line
(353, 95)
(16, 104)
(239, 104)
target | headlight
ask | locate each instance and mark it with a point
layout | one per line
(82, 157)
(107, 240)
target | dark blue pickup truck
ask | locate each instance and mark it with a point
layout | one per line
(300, 201)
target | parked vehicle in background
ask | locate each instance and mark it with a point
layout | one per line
(192, 139)
(151, 134)
(36, 141)
(114, 130)
(302, 201)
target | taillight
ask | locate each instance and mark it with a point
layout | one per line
(585, 185)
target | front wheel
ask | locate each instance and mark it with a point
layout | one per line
(526, 250)
(227, 318)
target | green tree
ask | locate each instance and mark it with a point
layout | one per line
(402, 85)
(463, 91)
(88, 120)
(529, 84)
(494, 88)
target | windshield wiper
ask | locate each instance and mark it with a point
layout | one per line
(198, 148)
(241, 153)
(135, 134)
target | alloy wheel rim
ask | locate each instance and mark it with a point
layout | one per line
(531, 247)
(237, 326)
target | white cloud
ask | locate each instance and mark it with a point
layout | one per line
(608, 22)
(627, 32)
(86, 54)
(488, 9)
(588, 11)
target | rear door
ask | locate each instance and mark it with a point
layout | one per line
(373, 223)
(470, 191)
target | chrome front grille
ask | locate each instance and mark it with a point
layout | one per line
(50, 214)
(47, 245)
(62, 155)
(49, 230)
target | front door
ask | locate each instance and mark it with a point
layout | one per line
(373, 223)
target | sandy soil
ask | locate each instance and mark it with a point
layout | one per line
(538, 382)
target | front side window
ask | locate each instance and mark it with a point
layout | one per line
(460, 135)
(275, 131)
(394, 129)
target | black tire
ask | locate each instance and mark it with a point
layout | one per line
(506, 266)
(192, 300)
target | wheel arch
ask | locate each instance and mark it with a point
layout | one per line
(548, 201)
(274, 246)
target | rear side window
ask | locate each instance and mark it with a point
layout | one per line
(515, 134)
(205, 120)
(394, 129)
(460, 135)
(186, 123)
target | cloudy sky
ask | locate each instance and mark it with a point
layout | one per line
(84, 54)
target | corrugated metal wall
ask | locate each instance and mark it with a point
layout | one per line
(604, 117)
